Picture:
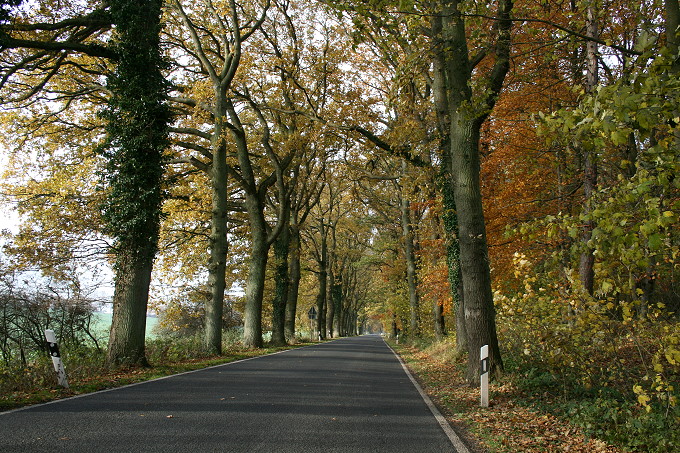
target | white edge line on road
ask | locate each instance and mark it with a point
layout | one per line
(33, 406)
(450, 433)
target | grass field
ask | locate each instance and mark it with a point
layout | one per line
(103, 323)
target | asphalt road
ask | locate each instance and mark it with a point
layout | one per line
(348, 395)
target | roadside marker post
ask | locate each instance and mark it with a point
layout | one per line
(484, 375)
(56, 357)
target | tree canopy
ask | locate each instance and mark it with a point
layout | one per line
(503, 173)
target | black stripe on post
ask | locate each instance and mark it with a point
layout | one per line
(54, 349)
(484, 365)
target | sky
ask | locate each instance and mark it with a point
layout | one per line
(8, 217)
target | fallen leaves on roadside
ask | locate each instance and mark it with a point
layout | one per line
(505, 426)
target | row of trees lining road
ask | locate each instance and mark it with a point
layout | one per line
(504, 172)
(212, 112)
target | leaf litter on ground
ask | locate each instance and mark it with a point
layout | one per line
(507, 426)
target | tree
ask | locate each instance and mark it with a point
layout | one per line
(136, 137)
(466, 115)
(52, 129)
(469, 101)
(230, 104)
(389, 190)
(317, 235)
(287, 248)
(301, 75)
(137, 122)
(219, 31)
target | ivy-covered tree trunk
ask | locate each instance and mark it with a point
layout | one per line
(446, 184)
(137, 120)
(450, 219)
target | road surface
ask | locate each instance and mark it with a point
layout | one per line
(348, 395)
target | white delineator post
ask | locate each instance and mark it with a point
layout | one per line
(484, 375)
(56, 357)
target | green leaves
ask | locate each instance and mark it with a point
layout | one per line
(137, 120)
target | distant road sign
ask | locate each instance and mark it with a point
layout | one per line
(312, 313)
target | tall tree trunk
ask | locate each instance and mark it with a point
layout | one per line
(322, 278)
(331, 314)
(252, 323)
(293, 288)
(587, 260)
(330, 318)
(480, 315)
(446, 185)
(336, 300)
(131, 295)
(217, 264)
(465, 123)
(411, 267)
(282, 285)
(137, 128)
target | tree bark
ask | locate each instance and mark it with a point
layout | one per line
(336, 300)
(411, 266)
(322, 277)
(466, 120)
(252, 323)
(330, 302)
(446, 185)
(217, 264)
(587, 259)
(130, 300)
(479, 310)
(282, 286)
(294, 274)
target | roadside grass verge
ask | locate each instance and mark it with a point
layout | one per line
(517, 421)
(36, 383)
